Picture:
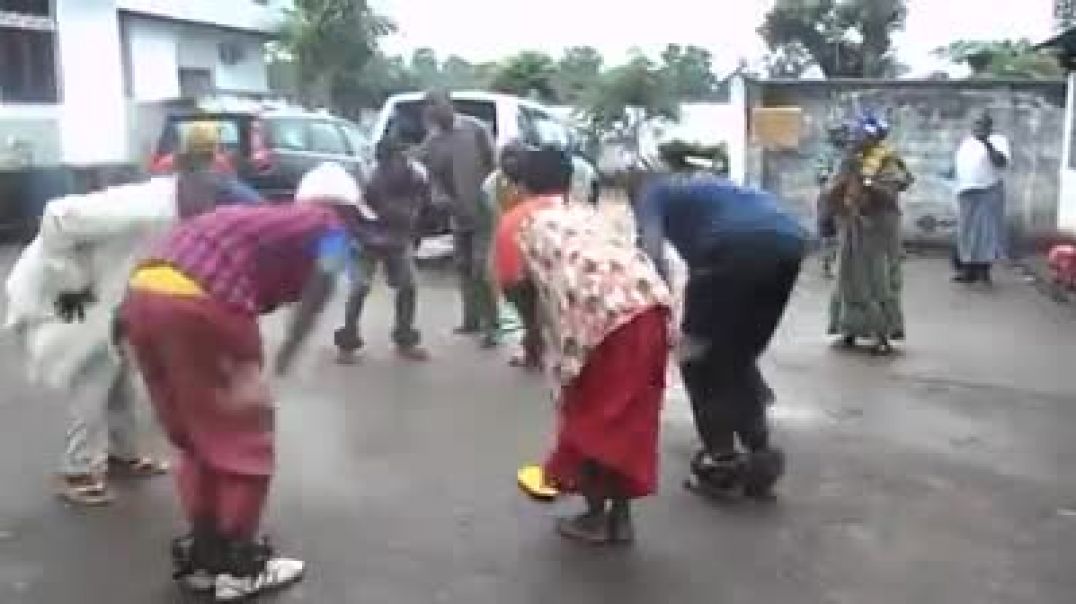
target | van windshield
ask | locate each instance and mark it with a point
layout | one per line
(406, 121)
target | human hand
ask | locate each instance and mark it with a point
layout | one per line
(71, 306)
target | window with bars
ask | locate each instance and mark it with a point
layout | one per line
(27, 66)
(34, 8)
(27, 52)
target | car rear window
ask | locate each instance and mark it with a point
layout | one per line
(407, 123)
(174, 137)
(288, 134)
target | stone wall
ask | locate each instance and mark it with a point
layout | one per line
(929, 119)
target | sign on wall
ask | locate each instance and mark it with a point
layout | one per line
(776, 127)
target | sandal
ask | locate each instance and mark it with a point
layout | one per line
(138, 467)
(85, 489)
(592, 529)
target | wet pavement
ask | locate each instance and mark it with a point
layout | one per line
(944, 474)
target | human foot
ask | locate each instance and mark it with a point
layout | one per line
(588, 527)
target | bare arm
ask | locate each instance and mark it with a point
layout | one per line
(997, 158)
(333, 255)
(316, 295)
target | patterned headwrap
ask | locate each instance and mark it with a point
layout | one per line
(871, 125)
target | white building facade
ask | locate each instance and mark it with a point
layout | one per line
(73, 72)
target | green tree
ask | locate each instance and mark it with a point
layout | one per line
(329, 43)
(382, 77)
(577, 73)
(425, 68)
(527, 74)
(1002, 59)
(845, 38)
(626, 98)
(689, 70)
(459, 73)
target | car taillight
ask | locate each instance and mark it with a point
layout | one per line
(162, 163)
(261, 157)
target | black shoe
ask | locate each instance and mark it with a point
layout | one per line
(761, 471)
(964, 277)
(467, 330)
(718, 478)
(489, 341)
(196, 560)
(348, 341)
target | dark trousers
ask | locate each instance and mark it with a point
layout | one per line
(524, 297)
(733, 304)
(400, 275)
(476, 290)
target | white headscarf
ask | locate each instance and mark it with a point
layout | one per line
(331, 183)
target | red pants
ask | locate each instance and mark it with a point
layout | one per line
(202, 366)
(610, 414)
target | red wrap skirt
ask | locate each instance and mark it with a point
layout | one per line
(611, 413)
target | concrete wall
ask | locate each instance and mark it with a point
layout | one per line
(236, 14)
(1066, 210)
(159, 48)
(929, 119)
(92, 116)
(82, 128)
(29, 134)
(91, 122)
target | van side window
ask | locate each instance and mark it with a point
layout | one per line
(528, 131)
(550, 130)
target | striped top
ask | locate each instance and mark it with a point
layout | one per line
(251, 258)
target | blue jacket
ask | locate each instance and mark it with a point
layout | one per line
(697, 213)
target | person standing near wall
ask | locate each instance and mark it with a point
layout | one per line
(864, 195)
(980, 163)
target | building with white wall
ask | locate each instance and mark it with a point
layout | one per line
(72, 72)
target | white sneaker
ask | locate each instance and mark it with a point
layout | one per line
(199, 581)
(278, 572)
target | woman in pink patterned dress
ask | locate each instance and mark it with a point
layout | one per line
(604, 312)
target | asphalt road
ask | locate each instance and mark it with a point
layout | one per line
(945, 474)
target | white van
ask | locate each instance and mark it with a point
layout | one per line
(507, 117)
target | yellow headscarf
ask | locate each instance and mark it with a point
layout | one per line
(202, 139)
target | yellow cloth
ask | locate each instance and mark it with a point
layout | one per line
(202, 139)
(874, 158)
(165, 280)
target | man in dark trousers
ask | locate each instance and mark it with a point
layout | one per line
(743, 252)
(399, 193)
(459, 154)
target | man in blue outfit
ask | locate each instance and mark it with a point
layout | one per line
(743, 252)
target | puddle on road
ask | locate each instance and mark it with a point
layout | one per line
(678, 408)
(796, 414)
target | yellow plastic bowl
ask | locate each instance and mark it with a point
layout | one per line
(532, 480)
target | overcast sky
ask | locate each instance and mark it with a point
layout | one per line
(490, 29)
